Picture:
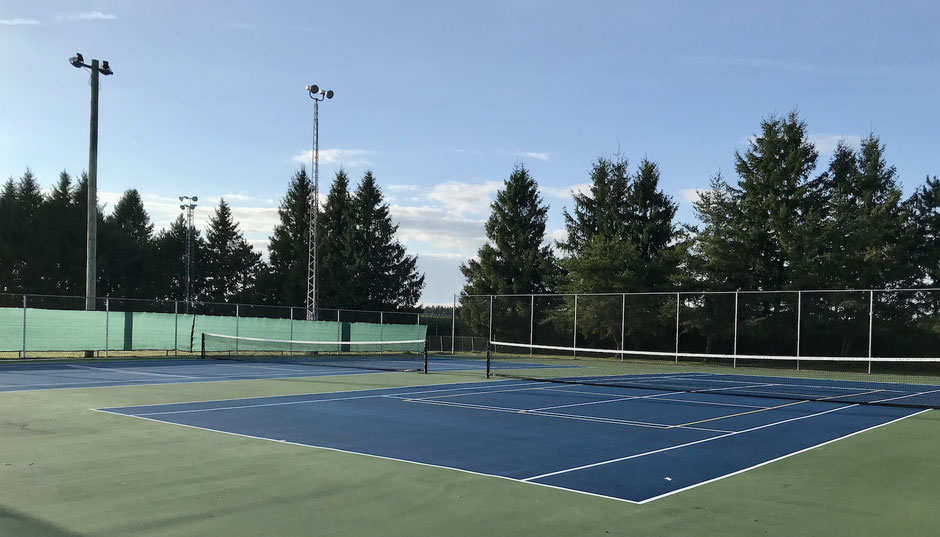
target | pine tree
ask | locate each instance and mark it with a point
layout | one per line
(286, 282)
(62, 227)
(8, 238)
(774, 173)
(169, 263)
(232, 266)
(386, 277)
(126, 250)
(924, 208)
(515, 259)
(601, 213)
(337, 249)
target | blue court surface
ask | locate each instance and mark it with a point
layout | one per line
(628, 444)
(44, 375)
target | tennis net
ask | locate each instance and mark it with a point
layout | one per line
(399, 355)
(910, 382)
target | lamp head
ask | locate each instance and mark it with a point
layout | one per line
(195, 199)
(313, 88)
(105, 69)
(329, 94)
(77, 60)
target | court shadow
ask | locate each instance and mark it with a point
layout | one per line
(15, 523)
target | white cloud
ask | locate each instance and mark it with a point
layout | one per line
(826, 143)
(465, 198)
(354, 158)
(691, 195)
(438, 229)
(566, 193)
(240, 198)
(88, 16)
(19, 22)
(560, 235)
(536, 155)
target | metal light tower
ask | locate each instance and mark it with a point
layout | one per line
(317, 95)
(92, 214)
(189, 207)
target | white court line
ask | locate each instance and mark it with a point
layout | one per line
(683, 489)
(382, 457)
(687, 444)
(119, 370)
(906, 396)
(578, 417)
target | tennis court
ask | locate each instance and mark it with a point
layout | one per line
(621, 443)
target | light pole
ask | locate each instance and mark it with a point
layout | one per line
(189, 207)
(92, 213)
(317, 95)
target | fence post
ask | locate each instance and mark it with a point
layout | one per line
(24, 326)
(290, 346)
(623, 324)
(734, 363)
(490, 339)
(381, 326)
(871, 317)
(237, 313)
(799, 317)
(453, 326)
(107, 327)
(176, 322)
(574, 344)
(531, 322)
(678, 302)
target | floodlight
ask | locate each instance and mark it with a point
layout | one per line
(195, 198)
(329, 94)
(181, 199)
(77, 60)
(105, 69)
(182, 206)
(313, 88)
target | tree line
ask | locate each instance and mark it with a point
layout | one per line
(783, 224)
(361, 263)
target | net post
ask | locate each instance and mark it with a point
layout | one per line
(488, 358)
(678, 302)
(734, 362)
(426, 355)
(202, 346)
(871, 317)
(799, 316)
(453, 326)
(381, 326)
(237, 314)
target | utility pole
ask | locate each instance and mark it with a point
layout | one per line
(91, 237)
(189, 205)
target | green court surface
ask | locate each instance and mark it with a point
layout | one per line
(69, 471)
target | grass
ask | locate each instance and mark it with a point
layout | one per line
(68, 471)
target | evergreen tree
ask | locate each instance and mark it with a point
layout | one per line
(286, 282)
(125, 250)
(774, 173)
(924, 208)
(515, 259)
(337, 251)
(8, 238)
(231, 265)
(170, 259)
(866, 237)
(62, 226)
(623, 241)
(386, 277)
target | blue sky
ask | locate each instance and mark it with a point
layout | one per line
(441, 99)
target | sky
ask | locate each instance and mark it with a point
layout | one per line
(442, 99)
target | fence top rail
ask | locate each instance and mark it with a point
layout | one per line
(199, 303)
(740, 291)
